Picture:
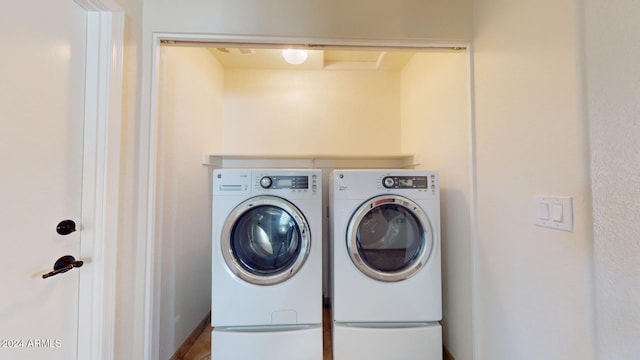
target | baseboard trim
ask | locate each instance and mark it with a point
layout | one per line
(182, 350)
(447, 354)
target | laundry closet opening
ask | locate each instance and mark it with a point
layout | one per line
(243, 98)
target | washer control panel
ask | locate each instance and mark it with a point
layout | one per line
(296, 183)
(284, 182)
(407, 182)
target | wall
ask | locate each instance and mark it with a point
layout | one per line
(311, 112)
(364, 19)
(130, 296)
(534, 284)
(612, 79)
(436, 128)
(191, 83)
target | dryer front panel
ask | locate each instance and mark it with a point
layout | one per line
(389, 238)
(265, 240)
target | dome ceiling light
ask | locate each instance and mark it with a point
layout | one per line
(295, 56)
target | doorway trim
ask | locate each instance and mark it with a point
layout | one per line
(148, 214)
(101, 173)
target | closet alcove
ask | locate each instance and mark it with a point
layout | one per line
(345, 113)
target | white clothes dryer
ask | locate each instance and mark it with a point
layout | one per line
(385, 228)
(267, 263)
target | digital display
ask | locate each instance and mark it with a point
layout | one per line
(407, 182)
(290, 182)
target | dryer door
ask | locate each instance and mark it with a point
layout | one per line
(389, 238)
(265, 240)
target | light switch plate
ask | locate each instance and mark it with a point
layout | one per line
(558, 214)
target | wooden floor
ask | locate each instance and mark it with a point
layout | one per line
(201, 348)
(326, 334)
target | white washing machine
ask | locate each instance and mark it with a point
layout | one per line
(267, 264)
(387, 287)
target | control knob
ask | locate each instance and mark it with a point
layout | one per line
(266, 182)
(388, 182)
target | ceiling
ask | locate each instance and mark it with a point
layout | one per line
(260, 58)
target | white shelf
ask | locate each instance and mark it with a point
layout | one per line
(309, 161)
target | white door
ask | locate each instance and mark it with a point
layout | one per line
(42, 79)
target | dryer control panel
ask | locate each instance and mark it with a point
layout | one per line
(408, 182)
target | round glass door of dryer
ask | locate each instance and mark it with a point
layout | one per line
(265, 240)
(389, 238)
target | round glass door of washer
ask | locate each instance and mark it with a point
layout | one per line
(265, 240)
(389, 238)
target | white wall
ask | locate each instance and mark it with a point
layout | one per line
(535, 284)
(311, 112)
(191, 84)
(612, 53)
(436, 129)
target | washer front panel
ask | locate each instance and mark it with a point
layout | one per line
(389, 238)
(265, 240)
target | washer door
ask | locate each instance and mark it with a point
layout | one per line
(265, 240)
(389, 238)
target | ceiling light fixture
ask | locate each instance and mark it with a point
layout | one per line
(295, 56)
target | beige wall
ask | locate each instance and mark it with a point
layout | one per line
(364, 19)
(311, 112)
(613, 84)
(535, 284)
(130, 295)
(191, 83)
(435, 127)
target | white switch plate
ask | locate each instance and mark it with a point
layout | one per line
(554, 212)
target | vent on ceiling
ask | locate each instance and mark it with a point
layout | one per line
(236, 51)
